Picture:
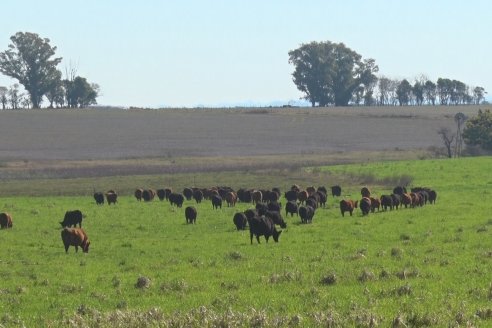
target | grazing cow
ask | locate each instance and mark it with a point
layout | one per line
(216, 201)
(375, 204)
(231, 199)
(240, 221)
(386, 201)
(306, 213)
(138, 194)
(365, 205)
(72, 218)
(261, 208)
(365, 192)
(176, 199)
(347, 205)
(396, 200)
(399, 190)
(336, 191)
(190, 214)
(274, 206)
(148, 195)
(302, 196)
(262, 226)
(161, 194)
(291, 207)
(198, 196)
(291, 196)
(99, 198)
(276, 218)
(111, 197)
(75, 237)
(5, 221)
(257, 197)
(406, 200)
(188, 193)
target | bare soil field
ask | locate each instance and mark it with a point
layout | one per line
(47, 141)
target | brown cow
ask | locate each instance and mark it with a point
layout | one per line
(5, 220)
(111, 197)
(347, 205)
(406, 199)
(257, 197)
(75, 237)
(375, 204)
(365, 205)
(302, 196)
(138, 194)
(231, 199)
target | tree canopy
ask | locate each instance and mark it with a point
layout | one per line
(330, 73)
(29, 60)
(478, 130)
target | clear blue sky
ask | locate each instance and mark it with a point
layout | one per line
(188, 53)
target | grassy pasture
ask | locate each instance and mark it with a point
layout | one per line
(420, 267)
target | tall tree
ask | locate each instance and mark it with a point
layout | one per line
(478, 95)
(80, 93)
(418, 91)
(404, 92)
(430, 92)
(29, 60)
(14, 96)
(444, 89)
(3, 97)
(329, 73)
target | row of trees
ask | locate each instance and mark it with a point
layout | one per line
(333, 74)
(30, 60)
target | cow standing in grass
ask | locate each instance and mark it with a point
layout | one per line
(5, 221)
(347, 205)
(75, 237)
(262, 226)
(72, 218)
(190, 214)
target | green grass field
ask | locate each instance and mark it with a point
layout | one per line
(429, 266)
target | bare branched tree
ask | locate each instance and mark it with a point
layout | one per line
(447, 138)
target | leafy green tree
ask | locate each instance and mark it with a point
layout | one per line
(430, 92)
(478, 130)
(29, 60)
(444, 89)
(55, 93)
(79, 93)
(478, 95)
(404, 92)
(329, 73)
(418, 91)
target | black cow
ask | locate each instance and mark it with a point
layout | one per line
(216, 201)
(176, 199)
(322, 198)
(161, 194)
(365, 205)
(336, 191)
(261, 208)
(188, 193)
(396, 200)
(274, 206)
(387, 201)
(291, 207)
(72, 218)
(198, 196)
(190, 214)
(262, 226)
(291, 196)
(399, 190)
(432, 196)
(99, 198)
(250, 213)
(276, 218)
(306, 213)
(240, 220)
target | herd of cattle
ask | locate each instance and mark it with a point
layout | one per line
(262, 220)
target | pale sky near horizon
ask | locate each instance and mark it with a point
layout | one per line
(223, 52)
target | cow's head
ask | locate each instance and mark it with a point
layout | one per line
(85, 246)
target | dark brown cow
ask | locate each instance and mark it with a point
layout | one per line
(302, 196)
(347, 205)
(386, 201)
(240, 221)
(365, 205)
(75, 237)
(310, 190)
(190, 214)
(198, 196)
(111, 197)
(148, 195)
(375, 204)
(5, 221)
(138, 194)
(406, 199)
(257, 197)
(365, 192)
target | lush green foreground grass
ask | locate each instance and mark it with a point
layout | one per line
(429, 266)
